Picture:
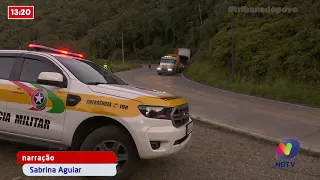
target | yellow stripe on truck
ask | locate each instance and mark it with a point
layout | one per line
(3, 92)
(101, 105)
(107, 106)
(169, 101)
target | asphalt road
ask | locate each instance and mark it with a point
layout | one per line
(271, 119)
(212, 154)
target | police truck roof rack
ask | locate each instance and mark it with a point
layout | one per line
(58, 51)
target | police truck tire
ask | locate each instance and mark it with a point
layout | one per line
(114, 134)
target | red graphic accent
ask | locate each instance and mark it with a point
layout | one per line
(66, 157)
(34, 109)
(26, 88)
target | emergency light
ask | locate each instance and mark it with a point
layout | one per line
(59, 51)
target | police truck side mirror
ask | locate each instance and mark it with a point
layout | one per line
(51, 79)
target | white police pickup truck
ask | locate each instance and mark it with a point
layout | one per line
(57, 99)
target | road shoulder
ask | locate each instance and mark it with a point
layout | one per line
(305, 147)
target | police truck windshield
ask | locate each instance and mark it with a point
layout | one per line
(89, 72)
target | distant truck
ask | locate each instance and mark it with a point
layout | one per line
(184, 55)
(169, 64)
(174, 63)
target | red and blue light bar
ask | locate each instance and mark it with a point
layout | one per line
(59, 51)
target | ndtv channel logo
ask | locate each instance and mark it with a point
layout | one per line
(287, 149)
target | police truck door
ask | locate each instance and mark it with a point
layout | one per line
(7, 63)
(36, 110)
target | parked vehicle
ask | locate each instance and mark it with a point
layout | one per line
(60, 100)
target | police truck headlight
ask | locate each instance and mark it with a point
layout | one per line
(156, 112)
(158, 68)
(169, 69)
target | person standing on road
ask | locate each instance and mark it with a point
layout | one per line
(105, 65)
(149, 64)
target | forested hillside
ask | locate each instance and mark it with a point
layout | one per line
(276, 55)
(150, 27)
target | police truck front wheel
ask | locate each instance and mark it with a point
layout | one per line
(114, 138)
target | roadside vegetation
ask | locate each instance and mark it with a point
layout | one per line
(281, 89)
(117, 65)
(124, 67)
(276, 55)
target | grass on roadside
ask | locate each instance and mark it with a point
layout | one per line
(124, 67)
(118, 65)
(282, 89)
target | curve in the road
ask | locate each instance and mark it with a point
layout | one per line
(272, 119)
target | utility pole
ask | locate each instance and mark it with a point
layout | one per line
(200, 14)
(122, 50)
(233, 45)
